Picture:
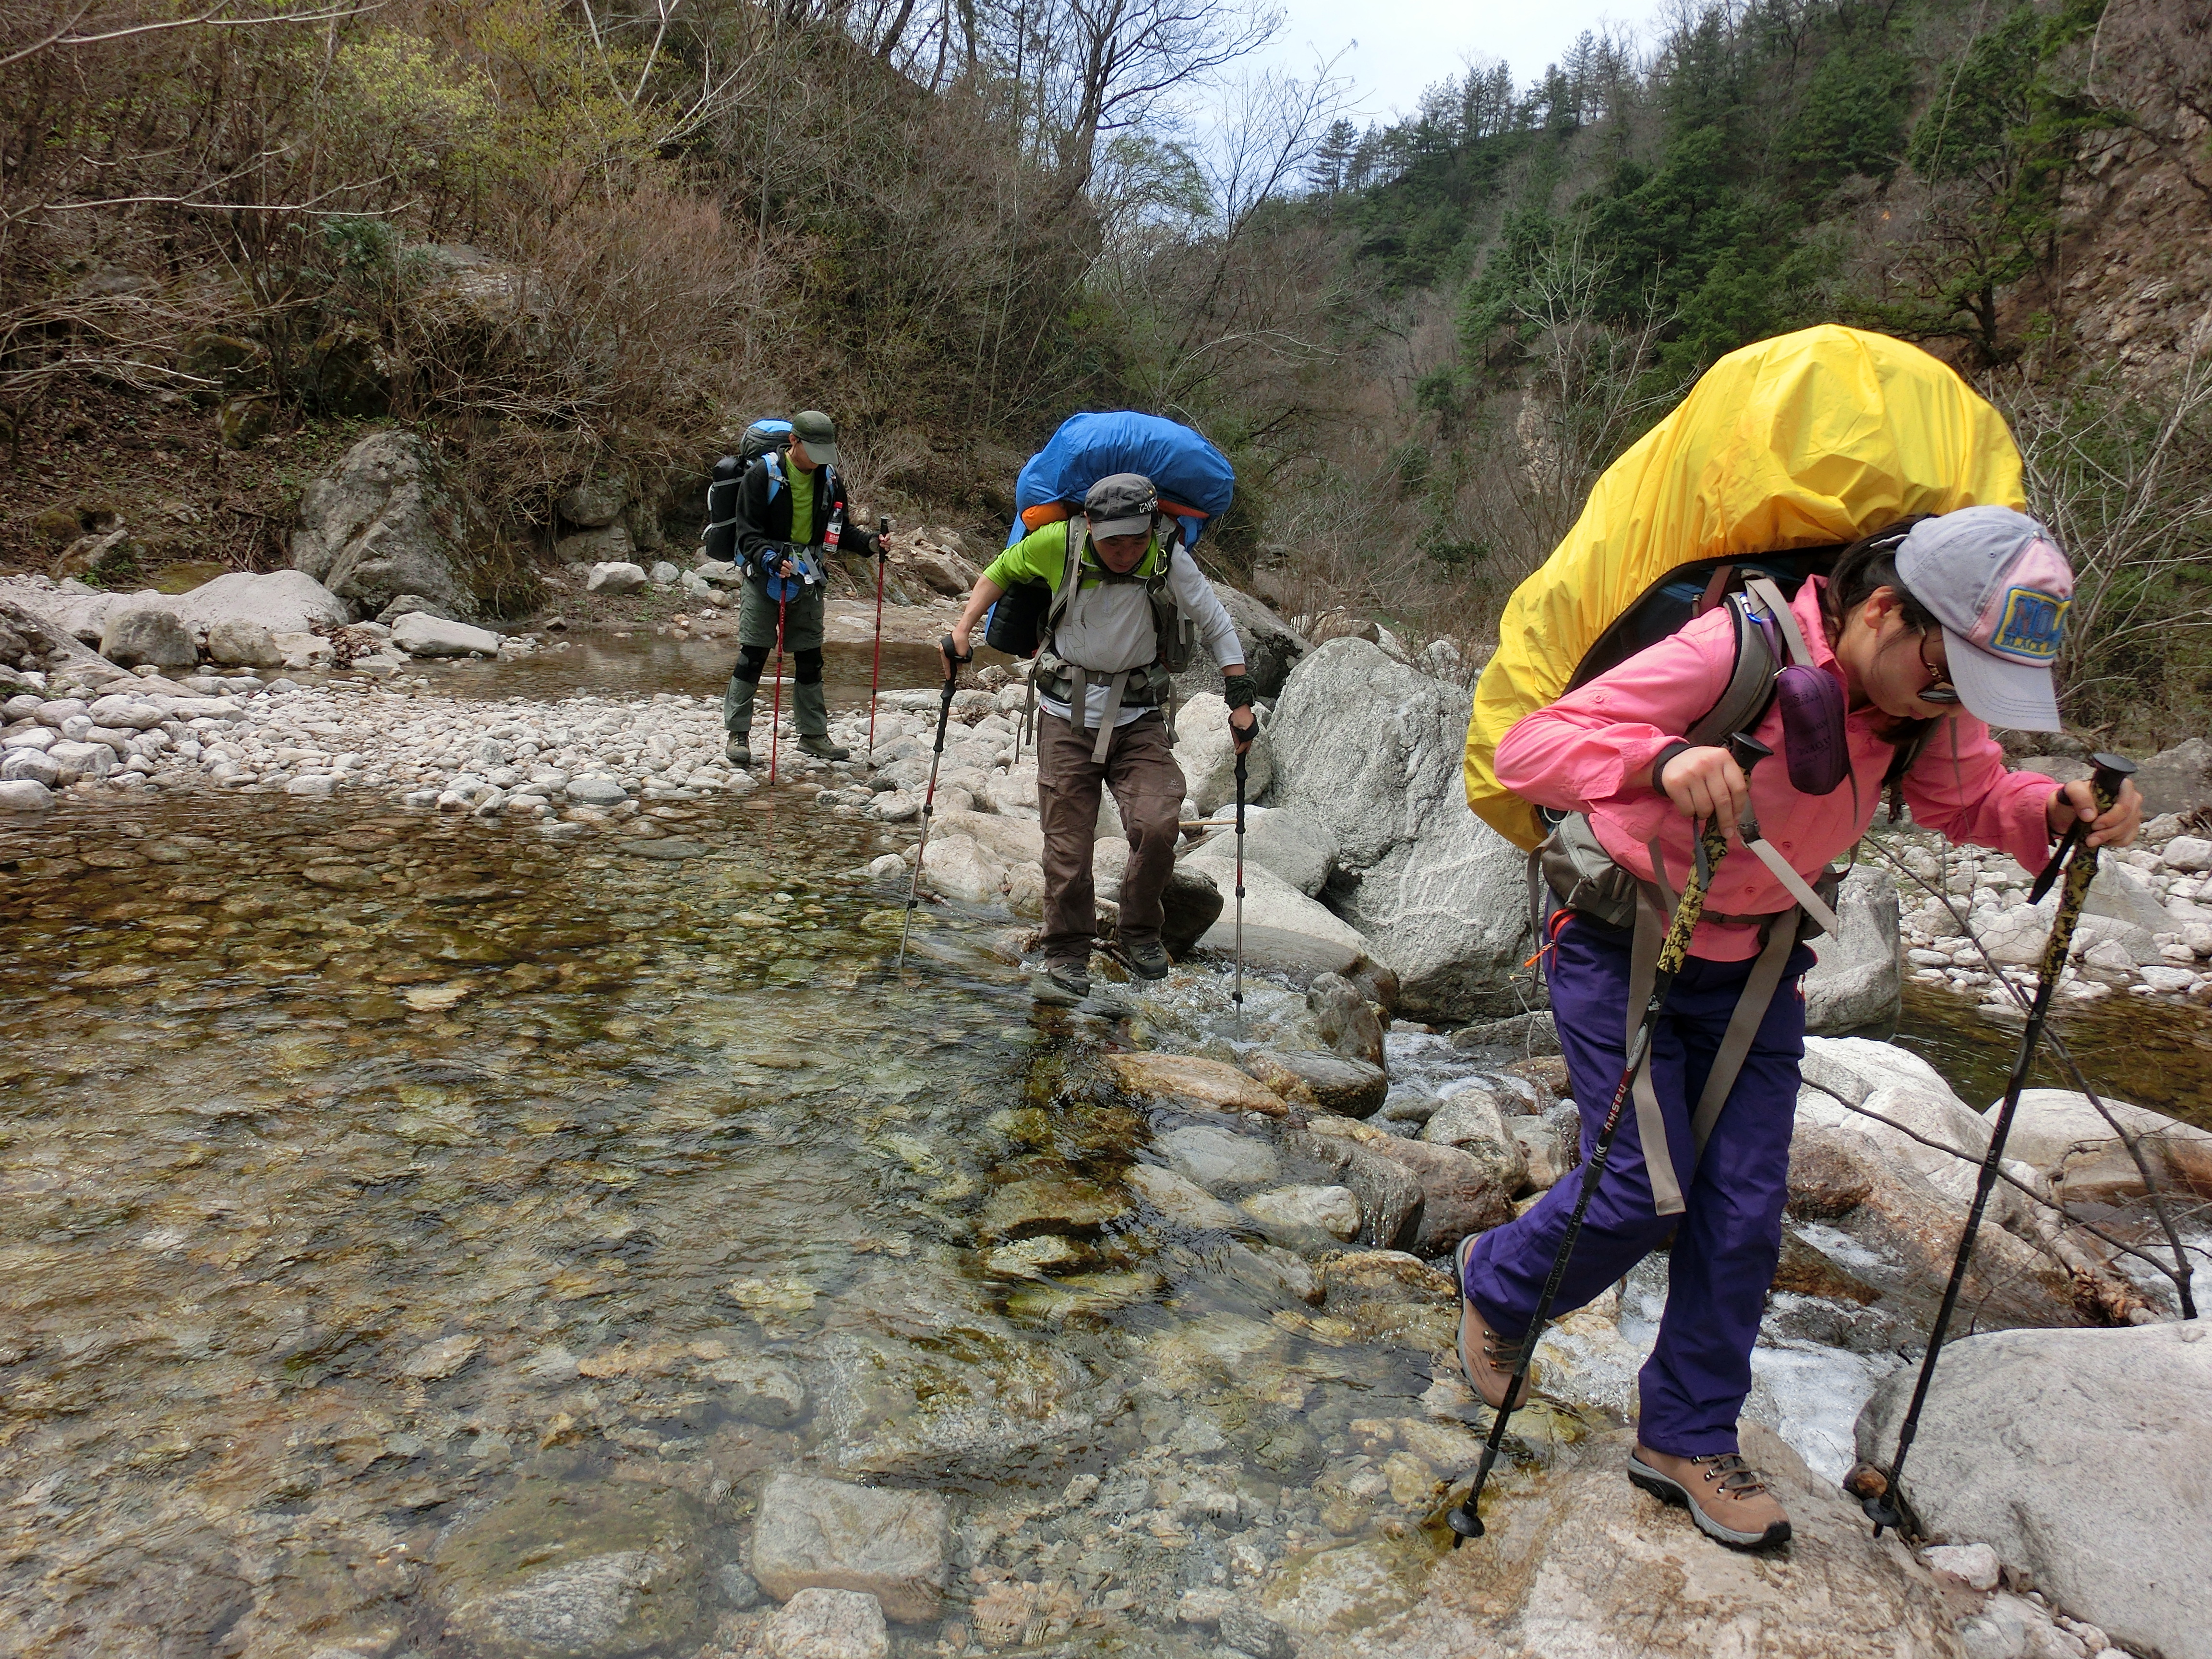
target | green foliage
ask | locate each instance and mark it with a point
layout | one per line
(1852, 119)
(1729, 218)
(1995, 148)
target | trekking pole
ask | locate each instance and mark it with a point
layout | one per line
(929, 797)
(1882, 1496)
(876, 673)
(1673, 950)
(1236, 996)
(776, 710)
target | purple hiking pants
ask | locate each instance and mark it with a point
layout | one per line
(1728, 1237)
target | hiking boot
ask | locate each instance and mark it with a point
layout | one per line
(1726, 1497)
(1487, 1358)
(823, 749)
(738, 752)
(1063, 984)
(1147, 958)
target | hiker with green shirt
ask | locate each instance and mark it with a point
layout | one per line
(1102, 680)
(788, 504)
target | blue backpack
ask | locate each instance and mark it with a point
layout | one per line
(767, 437)
(1194, 479)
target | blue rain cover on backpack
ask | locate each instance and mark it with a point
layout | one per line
(1184, 468)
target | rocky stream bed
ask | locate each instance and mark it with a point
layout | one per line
(478, 1190)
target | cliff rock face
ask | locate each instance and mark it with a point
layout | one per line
(2135, 270)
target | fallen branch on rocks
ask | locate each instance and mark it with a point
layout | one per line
(2095, 1289)
(2180, 1273)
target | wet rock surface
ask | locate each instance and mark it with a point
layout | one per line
(1589, 1564)
(826, 1534)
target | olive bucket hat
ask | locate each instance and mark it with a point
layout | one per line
(818, 434)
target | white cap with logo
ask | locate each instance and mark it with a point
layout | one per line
(2000, 587)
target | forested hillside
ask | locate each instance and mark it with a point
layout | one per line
(1553, 263)
(569, 238)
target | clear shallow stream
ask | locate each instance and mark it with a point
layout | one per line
(369, 1172)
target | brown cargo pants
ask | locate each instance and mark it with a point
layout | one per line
(1148, 786)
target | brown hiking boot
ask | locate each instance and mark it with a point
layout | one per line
(1487, 1358)
(1726, 1497)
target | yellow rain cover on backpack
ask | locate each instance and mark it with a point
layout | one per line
(1810, 439)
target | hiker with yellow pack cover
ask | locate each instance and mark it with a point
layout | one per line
(1823, 548)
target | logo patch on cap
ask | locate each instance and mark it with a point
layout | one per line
(2032, 626)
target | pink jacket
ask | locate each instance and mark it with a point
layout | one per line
(1592, 751)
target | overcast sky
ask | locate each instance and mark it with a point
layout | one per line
(1406, 45)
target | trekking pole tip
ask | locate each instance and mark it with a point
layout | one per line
(1464, 1523)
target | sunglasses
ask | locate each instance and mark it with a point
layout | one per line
(1939, 689)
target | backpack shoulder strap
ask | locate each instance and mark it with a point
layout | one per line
(773, 462)
(1763, 589)
(1750, 681)
(1078, 532)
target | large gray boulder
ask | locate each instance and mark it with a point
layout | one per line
(281, 601)
(615, 576)
(2176, 780)
(68, 608)
(419, 634)
(25, 795)
(2084, 1458)
(239, 643)
(1290, 844)
(1284, 930)
(598, 501)
(1882, 1145)
(610, 543)
(1208, 758)
(1272, 647)
(2063, 1137)
(1858, 983)
(1371, 748)
(146, 630)
(389, 521)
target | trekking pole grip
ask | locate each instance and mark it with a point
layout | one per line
(2112, 771)
(954, 658)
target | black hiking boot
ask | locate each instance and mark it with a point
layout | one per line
(1063, 984)
(1147, 958)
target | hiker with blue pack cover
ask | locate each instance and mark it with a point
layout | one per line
(779, 518)
(1118, 604)
(1822, 553)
